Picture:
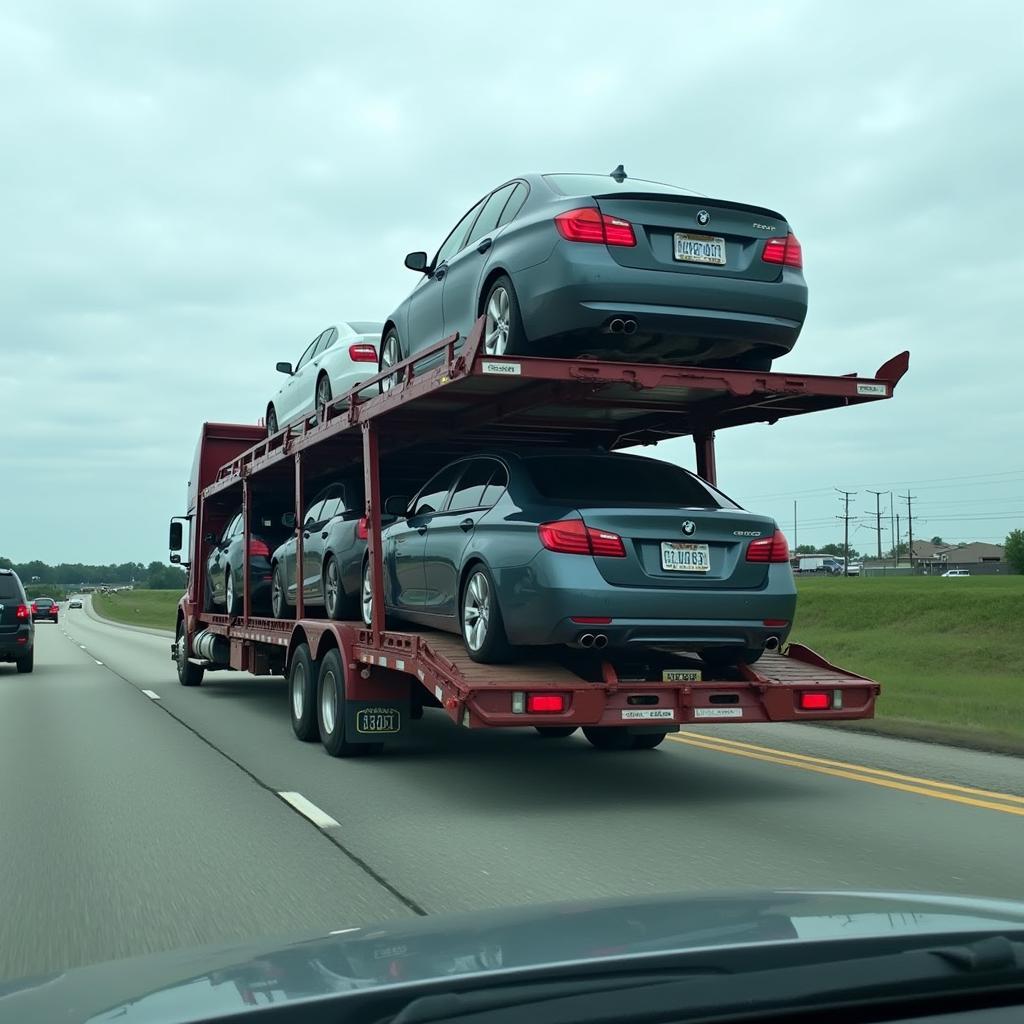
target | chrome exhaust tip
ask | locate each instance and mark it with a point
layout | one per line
(616, 326)
(586, 640)
(772, 643)
(600, 640)
(629, 327)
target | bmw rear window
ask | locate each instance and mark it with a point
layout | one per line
(604, 185)
(620, 481)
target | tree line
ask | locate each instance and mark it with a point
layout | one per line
(155, 576)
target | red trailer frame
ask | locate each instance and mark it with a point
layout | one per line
(450, 399)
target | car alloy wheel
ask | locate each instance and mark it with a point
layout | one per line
(496, 330)
(332, 587)
(390, 354)
(476, 611)
(271, 421)
(323, 397)
(277, 600)
(366, 597)
(229, 591)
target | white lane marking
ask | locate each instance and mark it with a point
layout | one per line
(151, 695)
(309, 810)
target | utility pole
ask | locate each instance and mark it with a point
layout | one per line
(892, 531)
(908, 498)
(846, 527)
(878, 517)
(794, 526)
(897, 544)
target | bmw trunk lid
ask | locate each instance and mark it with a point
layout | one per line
(682, 548)
(684, 235)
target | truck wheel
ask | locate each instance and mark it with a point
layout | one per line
(555, 732)
(337, 603)
(503, 328)
(302, 673)
(331, 711)
(483, 630)
(232, 599)
(188, 674)
(608, 737)
(279, 607)
(648, 740)
(390, 353)
(25, 664)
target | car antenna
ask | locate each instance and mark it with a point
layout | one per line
(619, 174)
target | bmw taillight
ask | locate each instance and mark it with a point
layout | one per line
(785, 251)
(590, 225)
(769, 549)
(363, 528)
(23, 611)
(258, 548)
(574, 537)
(362, 353)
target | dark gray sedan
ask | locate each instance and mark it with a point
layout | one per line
(572, 264)
(586, 549)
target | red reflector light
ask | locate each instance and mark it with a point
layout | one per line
(362, 353)
(592, 620)
(785, 251)
(574, 537)
(815, 701)
(590, 225)
(363, 528)
(23, 612)
(545, 702)
(769, 549)
(258, 547)
(775, 622)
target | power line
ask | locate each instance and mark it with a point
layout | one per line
(846, 526)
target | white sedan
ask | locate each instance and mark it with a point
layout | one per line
(334, 362)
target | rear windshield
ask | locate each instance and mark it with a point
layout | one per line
(603, 185)
(612, 481)
(9, 589)
(44, 602)
(365, 326)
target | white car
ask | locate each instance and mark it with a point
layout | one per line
(956, 572)
(75, 602)
(334, 362)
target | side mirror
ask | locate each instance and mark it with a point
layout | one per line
(285, 368)
(288, 520)
(174, 541)
(397, 506)
(210, 538)
(175, 559)
(417, 261)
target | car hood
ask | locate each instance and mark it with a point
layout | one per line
(218, 980)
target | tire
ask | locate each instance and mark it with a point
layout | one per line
(188, 674)
(322, 397)
(272, 427)
(302, 684)
(232, 599)
(207, 592)
(279, 607)
(503, 328)
(390, 353)
(648, 740)
(482, 628)
(330, 711)
(608, 737)
(729, 657)
(338, 605)
(26, 664)
(555, 732)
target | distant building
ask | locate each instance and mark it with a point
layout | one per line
(941, 556)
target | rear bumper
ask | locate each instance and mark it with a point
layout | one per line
(581, 289)
(540, 600)
(45, 618)
(15, 645)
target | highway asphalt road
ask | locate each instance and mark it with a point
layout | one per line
(138, 815)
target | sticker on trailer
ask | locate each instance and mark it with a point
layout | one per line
(642, 714)
(718, 712)
(680, 675)
(378, 721)
(502, 369)
(872, 389)
(439, 693)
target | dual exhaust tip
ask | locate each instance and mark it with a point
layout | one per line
(622, 326)
(597, 640)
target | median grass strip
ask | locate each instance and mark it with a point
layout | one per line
(154, 608)
(946, 651)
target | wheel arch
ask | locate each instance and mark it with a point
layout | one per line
(493, 274)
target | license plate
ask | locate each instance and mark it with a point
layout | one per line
(718, 712)
(377, 720)
(700, 248)
(680, 675)
(678, 556)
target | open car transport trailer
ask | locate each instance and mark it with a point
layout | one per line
(453, 399)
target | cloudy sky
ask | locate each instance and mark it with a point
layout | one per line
(191, 191)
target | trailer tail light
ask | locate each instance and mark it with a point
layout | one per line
(574, 537)
(23, 611)
(258, 548)
(785, 251)
(590, 225)
(769, 549)
(362, 353)
(363, 528)
(545, 703)
(813, 700)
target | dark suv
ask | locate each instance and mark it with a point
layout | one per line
(17, 633)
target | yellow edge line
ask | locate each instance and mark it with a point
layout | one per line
(855, 777)
(863, 769)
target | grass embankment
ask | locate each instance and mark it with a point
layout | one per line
(154, 608)
(948, 652)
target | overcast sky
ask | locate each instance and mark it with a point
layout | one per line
(189, 192)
